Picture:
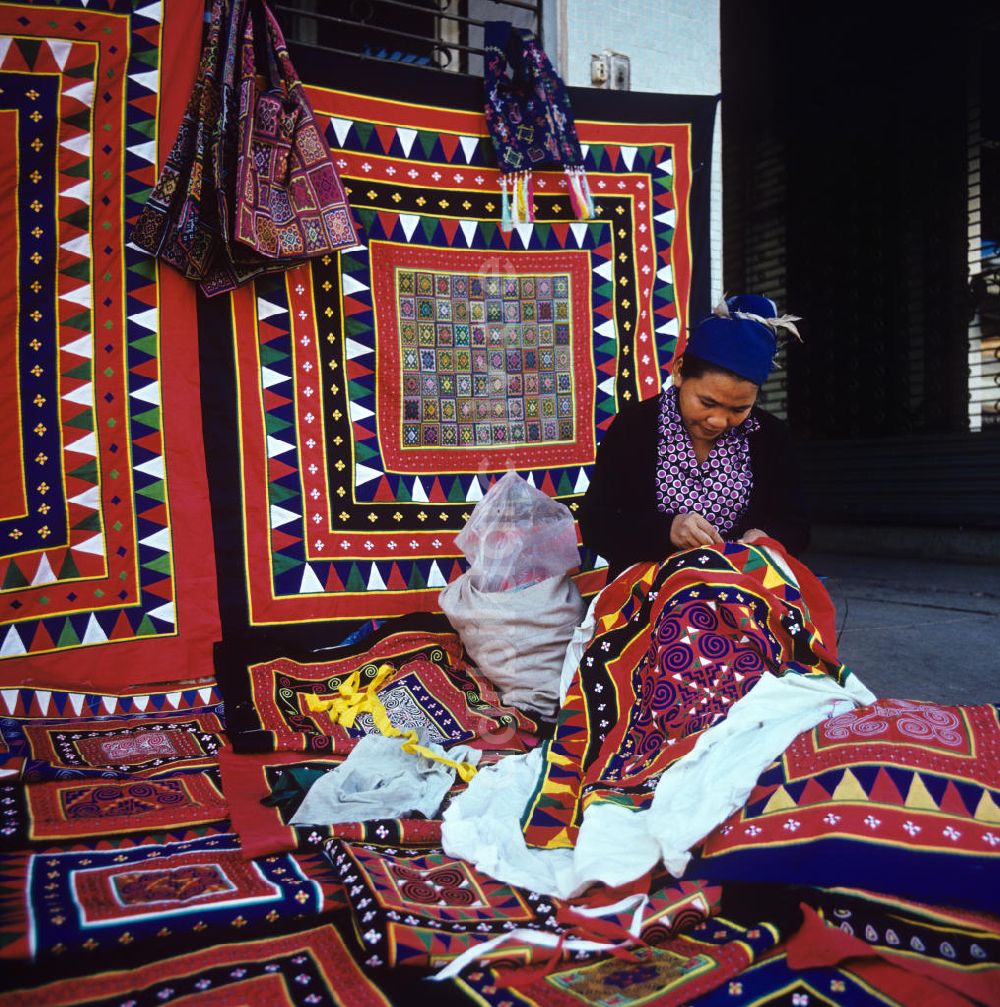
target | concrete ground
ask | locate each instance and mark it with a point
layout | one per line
(917, 629)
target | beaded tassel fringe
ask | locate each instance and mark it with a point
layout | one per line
(519, 209)
(517, 197)
(579, 192)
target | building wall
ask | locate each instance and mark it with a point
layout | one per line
(673, 46)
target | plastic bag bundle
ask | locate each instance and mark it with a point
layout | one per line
(517, 536)
(515, 608)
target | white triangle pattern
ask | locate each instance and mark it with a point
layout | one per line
(82, 347)
(351, 285)
(82, 296)
(364, 474)
(354, 349)
(44, 574)
(265, 309)
(150, 393)
(12, 646)
(153, 11)
(469, 230)
(82, 396)
(406, 138)
(160, 539)
(311, 584)
(341, 127)
(154, 467)
(78, 144)
(375, 581)
(80, 191)
(93, 545)
(83, 93)
(165, 613)
(144, 151)
(149, 80)
(93, 633)
(147, 319)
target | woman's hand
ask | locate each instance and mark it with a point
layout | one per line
(688, 531)
(751, 535)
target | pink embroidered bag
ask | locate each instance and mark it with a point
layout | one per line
(289, 201)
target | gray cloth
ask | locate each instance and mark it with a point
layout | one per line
(518, 638)
(379, 780)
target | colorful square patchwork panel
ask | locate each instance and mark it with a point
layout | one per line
(88, 550)
(900, 797)
(381, 390)
(676, 645)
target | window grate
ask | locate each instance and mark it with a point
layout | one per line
(433, 34)
(984, 240)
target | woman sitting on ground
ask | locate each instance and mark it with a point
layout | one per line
(700, 463)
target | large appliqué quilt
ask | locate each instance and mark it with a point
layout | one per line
(103, 479)
(354, 410)
(676, 646)
(375, 394)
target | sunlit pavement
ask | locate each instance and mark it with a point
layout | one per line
(914, 629)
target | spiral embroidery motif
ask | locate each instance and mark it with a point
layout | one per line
(916, 721)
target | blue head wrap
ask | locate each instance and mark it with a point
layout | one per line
(738, 338)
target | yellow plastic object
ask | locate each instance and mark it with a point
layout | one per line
(351, 700)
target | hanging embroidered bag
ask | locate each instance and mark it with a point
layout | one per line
(530, 120)
(180, 223)
(289, 200)
(191, 218)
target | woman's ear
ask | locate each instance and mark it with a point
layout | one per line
(676, 372)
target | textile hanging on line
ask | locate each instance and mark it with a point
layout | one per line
(530, 120)
(249, 186)
(104, 491)
(433, 399)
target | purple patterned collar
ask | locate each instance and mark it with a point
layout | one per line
(718, 488)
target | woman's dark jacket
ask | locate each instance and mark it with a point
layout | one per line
(620, 520)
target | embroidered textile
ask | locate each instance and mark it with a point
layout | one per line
(676, 646)
(959, 949)
(140, 746)
(432, 689)
(287, 202)
(69, 810)
(427, 908)
(718, 488)
(530, 121)
(900, 797)
(673, 969)
(142, 900)
(287, 971)
(99, 360)
(359, 459)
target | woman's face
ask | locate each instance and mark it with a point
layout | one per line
(713, 403)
